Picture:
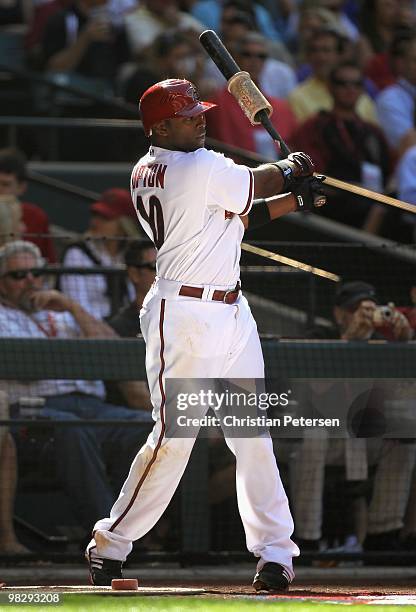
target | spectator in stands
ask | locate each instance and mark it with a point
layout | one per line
(41, 13)
(211, 11)
(384, 68)
(323, 52)
(277, 78)
(113, 221)
(11, 224)
(152, 18)
(83, 452)
(347, 147)
(228, 124)
(301, 29)
(234, 25)
(379, 20)
(170, 53)
(82, 42)
(9, 544)
(140, 260)
(355, 319)
(410, 311)
(343, 23)
(406, 180)
(396, 104)
(13, 182)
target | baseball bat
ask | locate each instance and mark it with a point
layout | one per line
(258, 110)
(228, 67)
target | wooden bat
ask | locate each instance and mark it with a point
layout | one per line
(288, 261)
(258, 110)
(368, 193)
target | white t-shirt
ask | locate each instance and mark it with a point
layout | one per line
(15, 323)
(91, 290)
(189, 205)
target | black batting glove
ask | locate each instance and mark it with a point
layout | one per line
(296, 165)
(309, 193)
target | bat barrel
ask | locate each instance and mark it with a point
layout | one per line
(218, 53)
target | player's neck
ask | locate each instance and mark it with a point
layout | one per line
(163, 144)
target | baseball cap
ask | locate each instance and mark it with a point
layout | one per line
(350, 293)
(114, 203)
(169, 99)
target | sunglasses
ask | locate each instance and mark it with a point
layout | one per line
(345, 83)
(147, 266)
(261, 56)
(22, 274)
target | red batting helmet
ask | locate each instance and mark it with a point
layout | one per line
(169, 99)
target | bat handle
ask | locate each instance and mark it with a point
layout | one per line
(263, 117)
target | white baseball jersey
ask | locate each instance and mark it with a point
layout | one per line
(189, 205)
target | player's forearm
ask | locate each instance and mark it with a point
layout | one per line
(268, 180)
(280, 176)
(89, 325)
(264, 211)
(281, 205)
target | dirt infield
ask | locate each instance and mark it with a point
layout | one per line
(357, 585)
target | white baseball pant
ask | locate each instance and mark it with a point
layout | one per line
(198, 338)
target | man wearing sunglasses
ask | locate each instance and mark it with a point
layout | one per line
(227, 123)
(28, 310)
(140, 260)
(347, 147)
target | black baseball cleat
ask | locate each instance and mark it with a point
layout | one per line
(272, 577)
(102, 571)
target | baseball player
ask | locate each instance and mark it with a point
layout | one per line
(195, 204)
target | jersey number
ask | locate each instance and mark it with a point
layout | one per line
(154, 218)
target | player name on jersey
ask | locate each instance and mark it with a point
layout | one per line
(149, 176)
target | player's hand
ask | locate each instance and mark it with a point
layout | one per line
(295, 166)
(309, 193)
(361, 325)
(50, 299)
(303, 164)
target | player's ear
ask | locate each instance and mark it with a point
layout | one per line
(160, 128)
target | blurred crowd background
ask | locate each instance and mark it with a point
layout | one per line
(340, 75)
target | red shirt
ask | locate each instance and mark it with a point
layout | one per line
(410, 313)
(379, 71)
(36, 222)
(228, 123)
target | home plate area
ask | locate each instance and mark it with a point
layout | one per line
(104, 590)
